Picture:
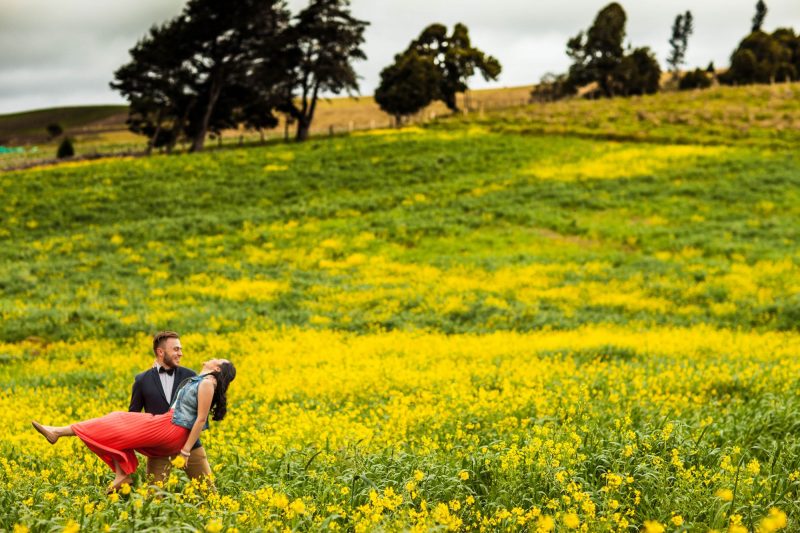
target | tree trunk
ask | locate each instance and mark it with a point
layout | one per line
(177, 128)
(200, 138)
(303, 127)
(304, 121)
(152, 141)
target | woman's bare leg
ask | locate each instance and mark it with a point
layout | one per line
(121, 478)
(53, 433)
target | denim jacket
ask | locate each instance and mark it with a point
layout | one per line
(184, 407)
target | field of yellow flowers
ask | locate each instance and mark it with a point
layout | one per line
(441, 328)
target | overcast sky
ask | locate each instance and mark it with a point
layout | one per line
(57, 52)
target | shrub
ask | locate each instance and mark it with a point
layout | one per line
(65, 149)
(54, 130)
(695, 79)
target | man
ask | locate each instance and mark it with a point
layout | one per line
(154, 391)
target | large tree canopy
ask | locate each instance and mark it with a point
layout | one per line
(407, 85)
(765, 58)
(322, 43)
(435, 66)
(222, 64)
(599, 57)
(597, 53)
(158, 84)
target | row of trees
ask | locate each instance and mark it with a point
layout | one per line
(599, 58)
(220, 64)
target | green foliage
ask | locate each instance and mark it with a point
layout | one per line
(435, 66)
(598, 57)
(695, 79)
(638, 73)
(758, 18)
(323, 43)
(407, 85)
(597, 53)
(765, 58)
(682, 29)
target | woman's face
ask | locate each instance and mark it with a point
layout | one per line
(215, 365)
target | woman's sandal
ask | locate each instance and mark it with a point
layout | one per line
(51, 438)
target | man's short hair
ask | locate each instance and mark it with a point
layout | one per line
(161, 337)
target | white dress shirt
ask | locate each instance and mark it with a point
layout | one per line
(167, 382)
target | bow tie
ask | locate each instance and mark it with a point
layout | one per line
(162, 370)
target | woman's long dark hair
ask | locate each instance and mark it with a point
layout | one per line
(219, 403)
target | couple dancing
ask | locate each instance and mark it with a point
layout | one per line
(165, 429)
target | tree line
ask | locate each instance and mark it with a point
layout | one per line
(600, 60)
(220, 65)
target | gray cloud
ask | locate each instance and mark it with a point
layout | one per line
(56, 53)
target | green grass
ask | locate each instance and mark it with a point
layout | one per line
(518, 310)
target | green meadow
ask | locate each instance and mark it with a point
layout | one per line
(656, 239)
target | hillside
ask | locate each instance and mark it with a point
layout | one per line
(30, 126)
(102, 130)
(582, 315)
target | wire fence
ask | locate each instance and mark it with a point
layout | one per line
(27, 157)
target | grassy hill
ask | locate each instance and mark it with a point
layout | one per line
(578, 315)
(102, 130)
(30, 126)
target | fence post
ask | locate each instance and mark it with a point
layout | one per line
(330, 131)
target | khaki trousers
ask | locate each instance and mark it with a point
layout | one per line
(158, 468)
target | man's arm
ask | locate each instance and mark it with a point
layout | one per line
(137, 399)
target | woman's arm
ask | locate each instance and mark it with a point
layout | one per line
(205, 393)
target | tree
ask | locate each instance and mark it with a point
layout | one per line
(54, 130)
(682, 28)
(158, 84)
(696, 79)
(65, 149)
(758, 18)
(181, 71)
(455, 58)
(596, 54)
(407, 85)
(321, 45)
(435, 66)
(228, 40)
(763, 58)
(638, 73)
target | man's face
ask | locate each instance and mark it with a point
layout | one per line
(172, 353)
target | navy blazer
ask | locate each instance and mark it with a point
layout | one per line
(148, 394)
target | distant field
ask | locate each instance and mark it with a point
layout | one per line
(101, 129)
(572, 317)
(30, 126)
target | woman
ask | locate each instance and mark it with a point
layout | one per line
(115, 436)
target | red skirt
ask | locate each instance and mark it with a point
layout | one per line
(115, 436)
